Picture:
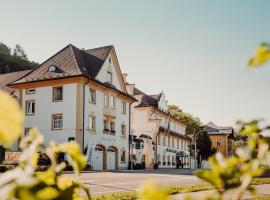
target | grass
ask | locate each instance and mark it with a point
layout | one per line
(176, 189)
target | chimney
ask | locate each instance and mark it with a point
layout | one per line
(125, 77)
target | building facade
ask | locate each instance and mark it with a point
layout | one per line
(222, 138)
(80, 95)
(158, 136)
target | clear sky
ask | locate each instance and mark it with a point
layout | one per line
(196, 51)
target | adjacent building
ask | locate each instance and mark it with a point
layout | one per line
(222, 138)
(80, 95)
(158, 137)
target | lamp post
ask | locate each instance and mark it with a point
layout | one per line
(195, 146)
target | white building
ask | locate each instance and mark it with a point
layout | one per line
(80, 95)
(159, 137)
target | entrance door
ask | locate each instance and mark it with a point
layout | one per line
(111, 158)
(98, 159)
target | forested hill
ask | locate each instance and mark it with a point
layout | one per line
(15, 60)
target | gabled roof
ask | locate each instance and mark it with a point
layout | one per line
(5, 79)
(71, 61)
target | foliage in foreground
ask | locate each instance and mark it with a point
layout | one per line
(24, 183)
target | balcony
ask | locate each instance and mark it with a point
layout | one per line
(109, 112)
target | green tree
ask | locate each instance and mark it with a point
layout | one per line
(19, 52)
(192, 123)
(4, 49)
(204, 147)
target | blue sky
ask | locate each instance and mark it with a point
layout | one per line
(195, 51)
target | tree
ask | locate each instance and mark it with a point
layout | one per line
(192, 123)
(204, 147)
(19, 52)
(4, 49)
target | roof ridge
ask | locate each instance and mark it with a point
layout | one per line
(111, 46)
(72, 50)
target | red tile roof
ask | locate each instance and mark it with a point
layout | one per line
(5, 79)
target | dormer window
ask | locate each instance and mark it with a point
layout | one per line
(110, 60)
(52, 68)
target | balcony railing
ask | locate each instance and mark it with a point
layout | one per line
(107, 111)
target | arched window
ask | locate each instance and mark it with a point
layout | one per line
(164, 160)
(123, 156)
(158, 159)
(168, 160)
(173, 160)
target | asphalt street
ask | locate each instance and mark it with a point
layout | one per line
(116, 181)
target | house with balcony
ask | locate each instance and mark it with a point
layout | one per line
(160, 138)
(80, 94)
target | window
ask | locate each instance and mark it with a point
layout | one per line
(106, 126)
(218, 143)
(58, 93)
(173, 143)
(92, 123)
(92, 96)
(109, 77)
(112, 126)
(123, 129)
(110, 60)
(106, 100)
(52, 68)
(31, 91)
(30, 107)
(164, 140)
(124, 107)
(158, 139)
(177, 144)
(169, 142)
(112, 102)
(57, 121)
(123, 156)
(158, 159)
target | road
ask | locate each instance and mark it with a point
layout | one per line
(108, 182)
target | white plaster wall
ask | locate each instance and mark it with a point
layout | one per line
(162, 103)
(102, 74)
(107, 140)
(44, 108)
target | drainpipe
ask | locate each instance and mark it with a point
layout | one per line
(129, 135)
(84, 112)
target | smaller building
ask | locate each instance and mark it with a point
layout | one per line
(222, 138)
(159, 139)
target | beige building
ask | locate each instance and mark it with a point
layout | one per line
(221, 137)
(160, 137)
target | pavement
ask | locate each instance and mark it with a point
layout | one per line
(125, 180)
(262, 190)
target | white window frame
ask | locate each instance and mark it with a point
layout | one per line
(92, 123)
(124, 107)
(92, 96)
(54, 122)
(54, 99)
(30, 107)
(112, 101)
(106, 100)
(30, 91)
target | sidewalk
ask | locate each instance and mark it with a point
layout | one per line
(261, 190)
